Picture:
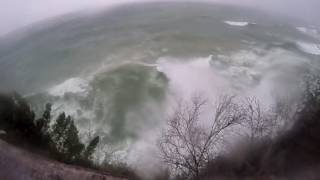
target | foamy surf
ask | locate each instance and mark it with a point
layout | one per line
(191, 76)
(72, 85)
(309, 48)
(237, 23)
(312, 32)
(307, 30)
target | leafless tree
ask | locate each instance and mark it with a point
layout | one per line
(188, 144)
(261, 122)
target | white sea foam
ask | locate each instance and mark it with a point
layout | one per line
(302, 29)
(72, 85)
(237, 23)
(307, 30)
(210, 76)
(309, 48)
(191, 76)
(255, 72)
(312, 32)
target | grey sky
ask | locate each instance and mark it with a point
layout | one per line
(18, 13)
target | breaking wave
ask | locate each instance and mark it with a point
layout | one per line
(72, 85)
(309, 48)
(237, 23)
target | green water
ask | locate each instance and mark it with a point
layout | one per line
(119, 52)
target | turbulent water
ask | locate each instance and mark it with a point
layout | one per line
(118, 72)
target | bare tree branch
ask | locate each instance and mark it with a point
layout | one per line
(186, 145)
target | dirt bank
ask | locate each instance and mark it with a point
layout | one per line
(17, 164)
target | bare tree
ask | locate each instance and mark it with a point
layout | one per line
(260, 122)
(285, 113)
(187, 145)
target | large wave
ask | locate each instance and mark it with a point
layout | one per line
(119, 74)
(127, 104)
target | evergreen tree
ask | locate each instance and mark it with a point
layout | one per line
(66, 139)
(46, 118)
(61, 138)
(72, 142)
(43, 126)
(16, 117)
(87, 154)
(23, 116)
(58, 133)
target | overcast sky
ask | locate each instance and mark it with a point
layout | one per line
(18, 13)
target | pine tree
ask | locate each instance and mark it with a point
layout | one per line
(43, 126)
(72, 142)
(46, 117)
(61, 138)
(58, 133)
(87, 154)
(23, 117)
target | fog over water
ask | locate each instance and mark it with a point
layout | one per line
(15, 14)
(119, 72)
